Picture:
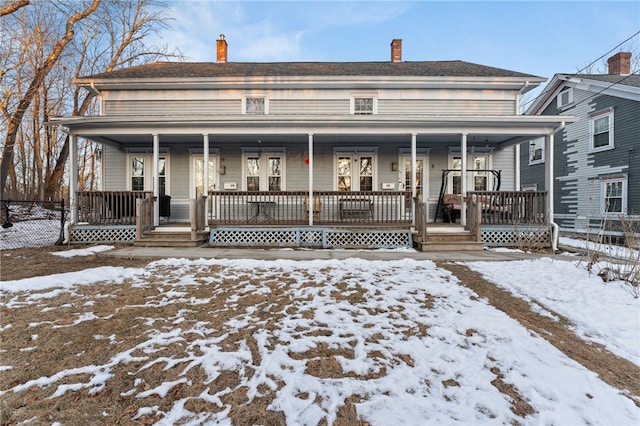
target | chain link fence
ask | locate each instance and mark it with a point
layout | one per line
(31, 223)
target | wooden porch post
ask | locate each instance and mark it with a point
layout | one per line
(414, 191)
(463, 179)
(156, 179)
(311, 202)
(548, 174)
(205, 142)
(73, 177)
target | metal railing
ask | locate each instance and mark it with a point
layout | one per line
(511, 207)
(109, 207)
(292, 208)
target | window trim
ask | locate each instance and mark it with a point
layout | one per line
(592, 120)
(374, 106)
(569, 92)
(255, 96)
(603, 195)
(532, 150)
(471, 173)
(147, 171)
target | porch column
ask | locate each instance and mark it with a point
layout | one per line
(156, 179)
(414, 192)
(548, 174)
(310, 202)
(463, 179)
(73, 177)
(205, 142)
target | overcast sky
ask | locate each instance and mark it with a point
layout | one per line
(534, 37)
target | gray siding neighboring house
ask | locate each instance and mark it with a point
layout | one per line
(597, 158)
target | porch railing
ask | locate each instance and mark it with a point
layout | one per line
(197, 213)
(144, 216)
(327, 207)
(510, 207)
(110, 207)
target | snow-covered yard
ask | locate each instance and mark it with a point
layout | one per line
(307, 342)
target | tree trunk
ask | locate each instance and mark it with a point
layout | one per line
(16, 118)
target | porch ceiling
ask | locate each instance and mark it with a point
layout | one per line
(494, 131)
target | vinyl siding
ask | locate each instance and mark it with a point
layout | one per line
(445, 107)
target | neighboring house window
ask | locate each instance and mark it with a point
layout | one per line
(601, 130)
(565, 97)
(536, 151)
(614, 196)
(137, 173)
(264, 172)
(355, 172)
(256, 105)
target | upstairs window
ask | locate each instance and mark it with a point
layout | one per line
(255, 105)
(565, 97)
(536, 151)
(601, 130)
(363, 106)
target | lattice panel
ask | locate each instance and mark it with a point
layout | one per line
(94, 234)
(368, 239)
(296, 237)
(501, 237)
(253, 237)
(311, 238)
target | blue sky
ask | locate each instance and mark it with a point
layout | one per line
(534, 37)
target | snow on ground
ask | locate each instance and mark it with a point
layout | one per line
(605, 313)
(619, 252)
(83, 252)
(410, 345)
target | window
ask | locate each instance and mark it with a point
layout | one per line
(565, 97)
(137, 173)
(601, 130)
(141, 167)
(355, 172)
(264, 172)
(363, 106)
(478, 179)
(614, 196)
(536, 151)
(256, 105)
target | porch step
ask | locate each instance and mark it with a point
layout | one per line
(171, 238)
(448, 238)
(433, 246)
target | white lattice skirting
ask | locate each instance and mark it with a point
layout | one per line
(103, 234)
(309, 237)
(522, 236)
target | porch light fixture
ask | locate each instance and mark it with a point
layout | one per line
(394, 166)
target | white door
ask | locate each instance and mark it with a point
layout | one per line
(421, 178)
(197, 180)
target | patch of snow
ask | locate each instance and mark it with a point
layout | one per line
(82, 252)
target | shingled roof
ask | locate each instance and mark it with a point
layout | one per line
(632, 80)
(306, 69)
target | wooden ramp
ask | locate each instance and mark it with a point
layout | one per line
(445, 237)
(171, 236)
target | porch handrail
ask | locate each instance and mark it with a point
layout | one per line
(144, 216)
(421, 219)
(511, 207)
(474, 216)
(292, 207)
(109, 207)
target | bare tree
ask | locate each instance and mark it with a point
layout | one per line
(13, 6)
(42, 71)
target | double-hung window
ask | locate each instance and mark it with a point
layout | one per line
(601, 130)
(565, 97)
(140, 170)
(614, 196)
(536, 151)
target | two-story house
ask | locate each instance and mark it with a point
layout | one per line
(596, 160)
(330, 154)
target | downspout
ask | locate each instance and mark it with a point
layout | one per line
(555, 229)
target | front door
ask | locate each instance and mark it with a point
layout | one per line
(405, 179)
(197, 187)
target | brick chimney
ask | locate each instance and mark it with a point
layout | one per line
(221, 49)
(620, 63)
(396, 50)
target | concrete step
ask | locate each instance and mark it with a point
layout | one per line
(435, 246)
(169, 242)
(177, 235)
(457, 236)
